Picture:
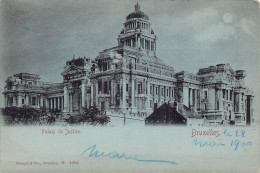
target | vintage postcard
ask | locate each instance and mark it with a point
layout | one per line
(126, 86)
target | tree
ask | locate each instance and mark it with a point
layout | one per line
(23, 115)
(93, 116)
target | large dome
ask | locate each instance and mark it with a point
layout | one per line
(137, 14)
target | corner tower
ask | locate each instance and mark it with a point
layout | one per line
(137, 33)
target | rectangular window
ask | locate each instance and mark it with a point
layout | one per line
(99, 85)
(118, 88)
(205, 94)
(105, 87)
(156, 90)
(22, 101)
(142, 42)
(109, 86)
(140, 88)
(172, 93)
(151, 90)
(33, 101)
(105, 66)
(127, 87)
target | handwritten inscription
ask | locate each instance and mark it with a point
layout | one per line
(237, 140)
(93, 152)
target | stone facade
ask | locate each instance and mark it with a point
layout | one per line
(217, 93)
(130, 79)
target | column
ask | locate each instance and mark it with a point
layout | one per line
(96, 98)
(211, 98)
(112, 92)
(70, 102)
(87, 98)
(198, 97)
(19, 100)
(164, 93)
(136, 42)
(195, 100)
(6, 101)
(227, 91)
(154, 92)
(83, 94)
(186, 96)
(123, 91)
(159, 94)
(58, 106)
(41, 102)
(27, 100)
(65, 102)
(239, 102)
(49, 103)
(148, 94)
(92, 94)
(173, 94)
(220, 99)
(244, 102)
(154, 45)
(193, 96)
(190, 97)
(55, 103)
(61, 103)
(143, 86)
(132, 93)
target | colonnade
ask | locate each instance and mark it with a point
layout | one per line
(191, 97)
(141, 42)
(55, 103)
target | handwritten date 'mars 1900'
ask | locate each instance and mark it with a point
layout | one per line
(237, 139)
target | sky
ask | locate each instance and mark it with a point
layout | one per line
(39, 36)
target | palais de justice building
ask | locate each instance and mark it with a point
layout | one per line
(130, 79)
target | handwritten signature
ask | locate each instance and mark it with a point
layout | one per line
(93, 152)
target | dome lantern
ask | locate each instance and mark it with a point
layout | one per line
(137, 7)
(137, 14)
